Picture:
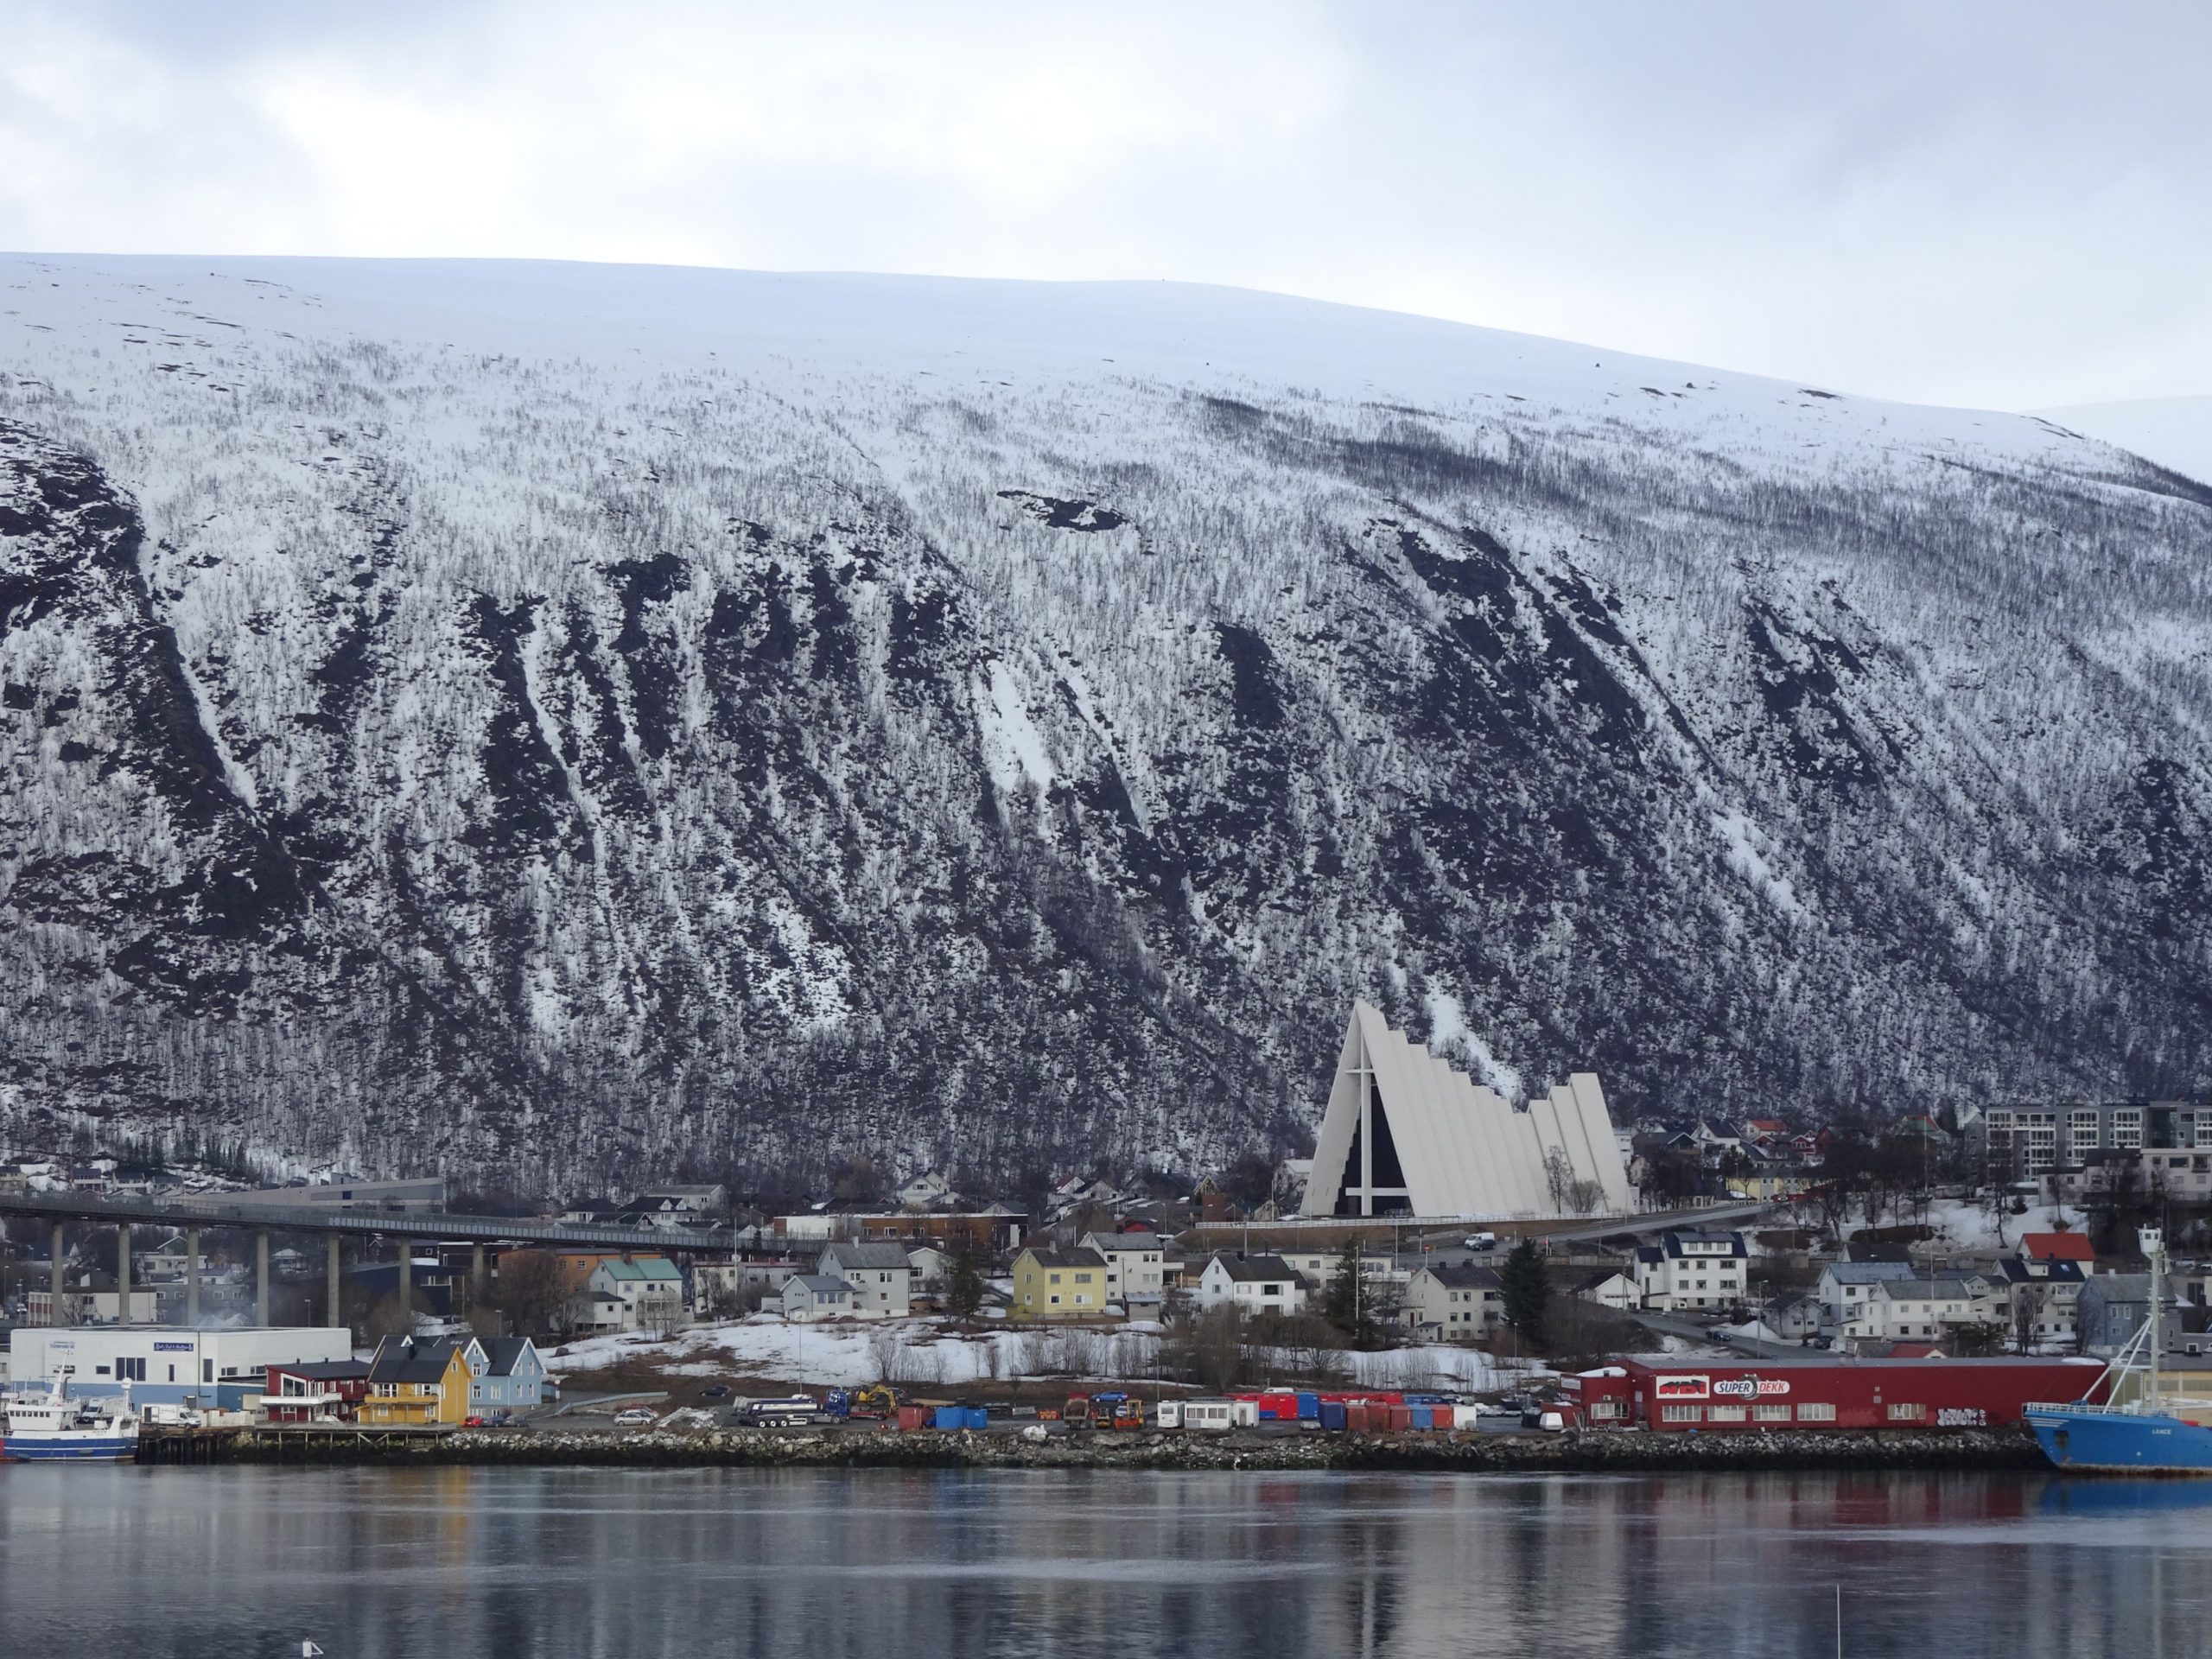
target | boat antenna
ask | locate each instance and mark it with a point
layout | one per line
(1839, 1619)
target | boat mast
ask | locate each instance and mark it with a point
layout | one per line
(2153, 1243)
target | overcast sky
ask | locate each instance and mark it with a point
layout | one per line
(2006, 204)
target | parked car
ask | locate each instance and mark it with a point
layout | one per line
(716, 1391)
(635, 1417)
(1484, 1241)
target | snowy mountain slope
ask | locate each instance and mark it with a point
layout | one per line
(2174, 432)
(540, 719)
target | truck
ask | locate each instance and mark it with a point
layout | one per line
(788, 1412)
(1078, 1411)
(1105, 1408)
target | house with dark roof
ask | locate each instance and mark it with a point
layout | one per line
(1254, 1284)
(1055, 1283)
(1453, 1304)
(417, 1383)
(511, 1377)
(1692, 1267)
(881, 1274)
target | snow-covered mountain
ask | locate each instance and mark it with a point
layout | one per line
(560, 722)
(2174, 432)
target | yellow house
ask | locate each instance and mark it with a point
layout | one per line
(1050, 1284)
(414, 1384)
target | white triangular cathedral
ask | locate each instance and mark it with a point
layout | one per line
(1409, 1133)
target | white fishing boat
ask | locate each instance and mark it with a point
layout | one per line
(62, 1427)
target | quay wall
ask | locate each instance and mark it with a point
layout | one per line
(1494, 1453)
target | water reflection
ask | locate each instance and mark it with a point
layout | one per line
(372, 1563)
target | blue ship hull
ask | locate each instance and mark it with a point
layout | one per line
(2102, 1442)
(68, 1448)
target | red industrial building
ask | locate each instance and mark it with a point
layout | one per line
(1823, 1393)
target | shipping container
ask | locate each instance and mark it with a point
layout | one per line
(1400, 1420)
(1422, 1416)
(1330, 1414)
(1466, 1417)
(1309, 1407)
(951, 1417)
(912, 1417)
(1358, 1416)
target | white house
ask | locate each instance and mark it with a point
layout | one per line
(1255, 1284)
(649, 1288)
(809, 1296)
(1692, 1270)
(1844, 1287)
(1610, 1287)
(1133, 1275)
(1455, 1304)
(881, 1277)
(929, 1191)
(1922, 1309)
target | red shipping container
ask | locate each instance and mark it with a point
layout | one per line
(1356, 1415)
(1401, 1417)
(1281, 1406)
(910, 1418)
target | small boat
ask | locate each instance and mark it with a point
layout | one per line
(2116, 1430)
(64, 1428)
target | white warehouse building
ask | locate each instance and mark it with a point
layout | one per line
(1409, 1133)
(211, 1369)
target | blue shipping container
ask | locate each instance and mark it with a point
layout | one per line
(1309, 1407)
(951, 1417)
(978, 1417)
(1424, 1416)
(1332, 1413)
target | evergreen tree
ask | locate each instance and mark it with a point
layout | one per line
(1527, 1291)
(964, 1291)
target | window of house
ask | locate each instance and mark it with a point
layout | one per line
(1816, 1411)
(1083, 1278)
(1055, 1301)
(1771, 1414)
(1726, 1415)
(1679, 1414)
(1902, 1412)
(1056, 1280)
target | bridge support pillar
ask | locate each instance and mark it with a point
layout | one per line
(60, 1314)
(332, 1287)
(476, 1284)
(191, 1275)
(407, 1276)
(123, 1273)
(261, 1277)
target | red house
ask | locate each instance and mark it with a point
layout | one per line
(1824, 1393)
(300, 1393)
(2058, 1247)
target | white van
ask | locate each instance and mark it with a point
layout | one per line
(1481, 1240)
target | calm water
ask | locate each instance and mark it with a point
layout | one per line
(454, 1562)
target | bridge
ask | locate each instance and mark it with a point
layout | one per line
(189, 1216)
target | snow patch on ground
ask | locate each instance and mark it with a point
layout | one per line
(923, 1352)
(1013, 746)
(1747, 851)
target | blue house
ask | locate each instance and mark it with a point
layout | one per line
(508, 1375)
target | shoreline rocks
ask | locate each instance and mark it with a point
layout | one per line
(1595, 1452)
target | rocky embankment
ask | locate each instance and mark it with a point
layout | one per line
(1489, 1453)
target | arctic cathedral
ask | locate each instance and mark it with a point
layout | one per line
(1409, 1133)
